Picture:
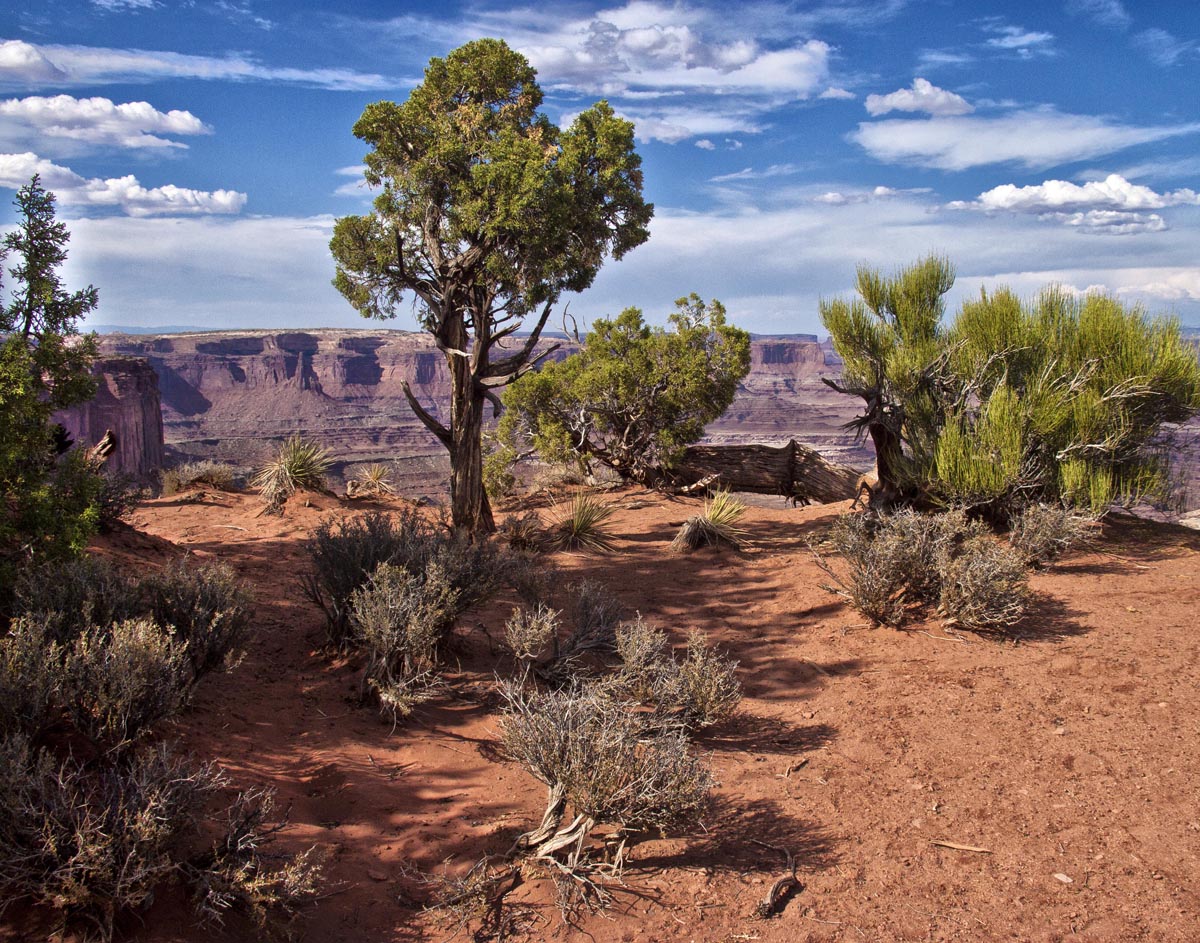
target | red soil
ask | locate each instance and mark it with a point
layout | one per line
(1070, 754)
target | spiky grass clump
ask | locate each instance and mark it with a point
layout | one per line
(524, 532)
(583, 526)
(298, 464)
(716, 525)
(372, 481)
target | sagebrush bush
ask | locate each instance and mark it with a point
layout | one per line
(529, 632)
(206, 608)
(90, 843)
(400, 618)
(699, 690)
(30, 677)
(583, 525)
(595, 754)
(1041, 533)
(345, 553)
(298, 464)
(72, 595)
(896, 564)
(716, 524)
(118, 682)
(984, 586)
(205, 473)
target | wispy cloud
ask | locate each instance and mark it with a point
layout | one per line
(116, 6)
(1111, 13)
(1162, 48)
(1025, 43)
(63, 124)
(837, 94)
(27, 64)
(923, 96)
(1035, 138)
(124, 193)
(749, 173)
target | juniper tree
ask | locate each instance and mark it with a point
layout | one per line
(488, 212)
(634, 396)
(1057, 398)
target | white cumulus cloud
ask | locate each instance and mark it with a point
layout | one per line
(125, 193)
(1035, 138)
(93, 121)
(923, 96)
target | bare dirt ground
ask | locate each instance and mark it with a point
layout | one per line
(1068, 757)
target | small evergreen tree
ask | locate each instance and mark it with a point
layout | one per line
(1059, 398)
(48, 502)
(635, 396)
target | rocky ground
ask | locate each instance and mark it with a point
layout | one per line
(1065, 758)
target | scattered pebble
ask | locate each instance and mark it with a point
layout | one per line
(1059, 876)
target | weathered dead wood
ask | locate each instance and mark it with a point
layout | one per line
(98, 454)
(792, 470)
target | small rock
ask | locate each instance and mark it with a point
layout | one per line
(376, 875)
(1059, 876)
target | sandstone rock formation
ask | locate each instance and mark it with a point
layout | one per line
(234, 395)
(127, 403)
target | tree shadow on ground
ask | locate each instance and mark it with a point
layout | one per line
(768, 735)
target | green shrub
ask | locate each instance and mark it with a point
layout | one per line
(72, 595)
(583, 525)
(298, 464)
(717, 524)
(30, 677)
(203, 473)
(1041, 533)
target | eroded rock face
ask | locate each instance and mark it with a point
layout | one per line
(127, 402)
(234, 395)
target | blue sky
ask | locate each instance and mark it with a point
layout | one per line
(201, 150)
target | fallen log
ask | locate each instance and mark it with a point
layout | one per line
(792, 470)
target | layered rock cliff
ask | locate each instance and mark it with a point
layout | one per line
(127, 402)
(234, 395)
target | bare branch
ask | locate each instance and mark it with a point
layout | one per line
(442, 433)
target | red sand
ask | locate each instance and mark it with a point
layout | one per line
(1070, 753)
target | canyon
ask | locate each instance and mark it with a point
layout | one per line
(233, 396)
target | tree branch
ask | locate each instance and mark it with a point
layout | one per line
(442, 433)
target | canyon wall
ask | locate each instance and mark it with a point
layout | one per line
(235, 395)
(127, 402)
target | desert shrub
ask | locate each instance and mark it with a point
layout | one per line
(897, 563)
(717, 524)
(529, 632)
(524, 532)
(1041, 533)
(499, 480)
(237, 875)
(583, 525)
(203, 473)
(400, 617)
(204, 605)
(347, 552)
(119, 681)
(699, 690)
(984, 586)
(71, 595)
(595, 756)
(596, 612)
(298, 464)
(90, 843)
(30, 675)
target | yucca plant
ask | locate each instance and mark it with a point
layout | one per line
(372, 481)
(717, 524)
(299, 463)
(583, 526)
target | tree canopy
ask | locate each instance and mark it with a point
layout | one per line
(1055, 398)
(487, 213)
(634, 396)
(44, 366)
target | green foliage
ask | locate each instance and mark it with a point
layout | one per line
(48, 505)
(1059, 398)
(298, 464)
(634, 396)
(487, 212)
